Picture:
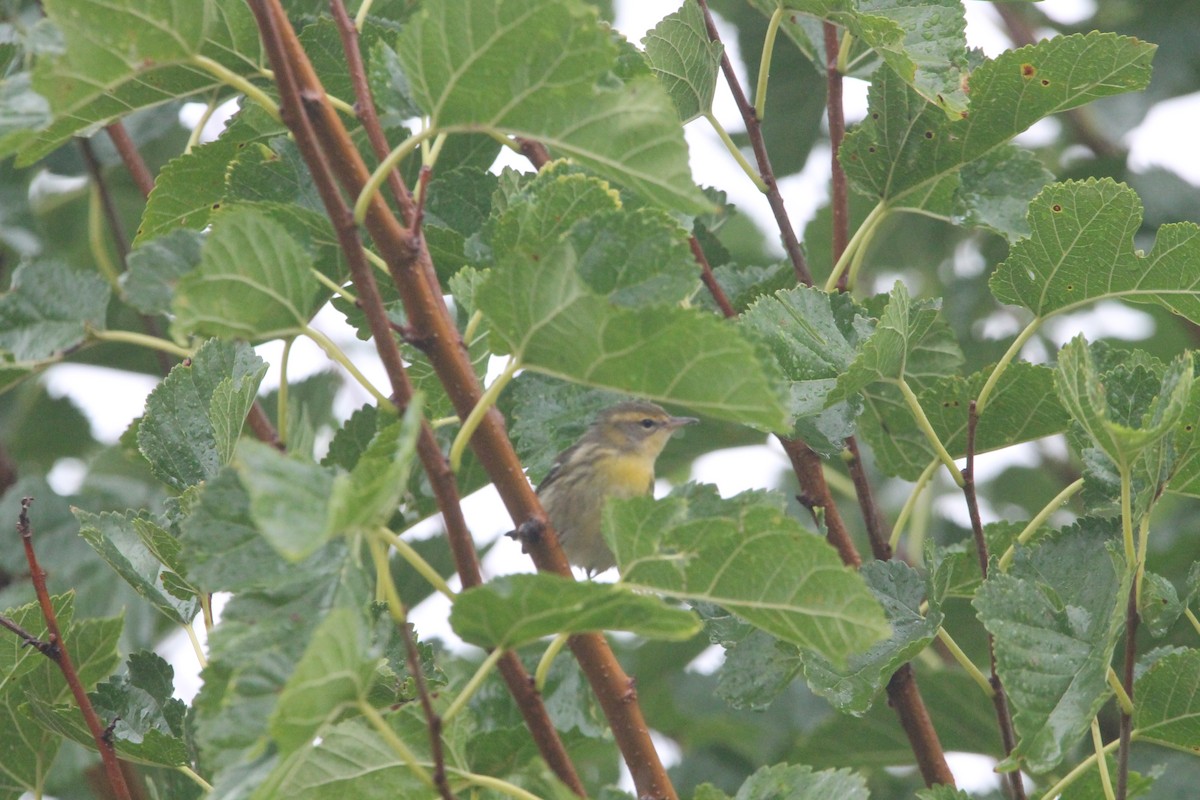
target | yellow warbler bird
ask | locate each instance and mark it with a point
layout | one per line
(614, 458)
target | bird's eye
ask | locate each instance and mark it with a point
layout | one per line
(647, 423)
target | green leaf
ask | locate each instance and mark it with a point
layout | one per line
(910, 343)
(543, 313)
(253, 282)
(757, 667)
(188, 190)
(148, 720)
(331, 677)
(900, 590)
(369, 494)
(535, 69)
(1168, 702)
(685, 60)
(129, 544)
(749, 557)
(121, 55)
(155, 268)
(49, 308)
(518, 609)
(1080, 250)
(800, 782)
(815, 337)
(1022, 407)
(1056, 617)
(1158, 604)
(904, 165)
(997, 189)
(194, 417)
(1083, 394)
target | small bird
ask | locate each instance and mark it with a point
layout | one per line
(614, 458)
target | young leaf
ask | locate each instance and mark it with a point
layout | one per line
(518, 609)
(1056, 617)
(148, 721)
(188, 190)
(801, 782)
(121, 541)
(369, 494)
(814, 337)
(904, 165)
(534, 69)
(333, 675)
(194, 417)
(1080, 250)
(750, 558)
(155, 268)
(900, 590)
(48, 308)
(685, 60)
(1168, 702)
(253, 282)
(543, 313)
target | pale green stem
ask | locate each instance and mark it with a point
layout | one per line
(334, 100)
(840, 484)
(395, 742)
(1127, 518)
(1013, 350)
(843, 59)
(361, 17)
(143, 340)
(543, 668)
(379, 176)
(1079, 771)
(414, 559)
(96, 243)
(858, 241)
(926, 427)
(907, 510)
(1143, 541)
(1101, 763)
(750, 171)
(860, 255)
(443, 422)
(335, 353)
(385, 587)
(429, 156)
(472, 326)
(196, 779)
(1192, 619)
(473, 685)
(195, 640)
(764, 66)
(281, 399)
(1123, 699)
(476, 416)
(210, 108)
(1027, 533)
(206, 610)
(377, 262)
(504, 787)
(966, 663)
(332, 285)
(236, 81)
(502, 139)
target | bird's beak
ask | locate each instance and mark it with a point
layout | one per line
(679, 422)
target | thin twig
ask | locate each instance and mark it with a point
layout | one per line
(131, 158)
(999, 697)
(815, 495)
(304, 110)
(877, 531)
(791, 243)
(432, 719)
(839, 199)
(710, 280)
(57, 652)
(115, 226)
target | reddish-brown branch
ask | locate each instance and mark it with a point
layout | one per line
(1008, 735)
(57, 652)
(839, 199)
(132, 158)
(710, 280)
(364, 103)
(302, 103)
(905, 698)
(877, 529)
(815, 495)
(791, 243)
(409, 264)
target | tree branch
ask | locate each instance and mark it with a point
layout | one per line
(55, 648)
(303, 102)
(754, 130)
(131, 158)
(999, 697)
(710, 280)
